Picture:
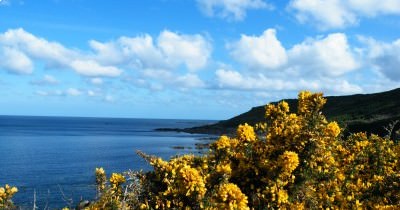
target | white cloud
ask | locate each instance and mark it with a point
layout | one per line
(168, 51)
(189, 81)
(92, 68)
(39, 48)
(334, 14)
(46, 80)
(318, 64)
(168, 60)
(158, 74)
(230, 9)
(385, 57)
(91, 93)
(192, 50)
(51, 93)
(341, 87)
(73, 92)
(42, 93)
(325, 14)
(234, 80)
(140, 52)
(96, 81)
(228, 79)
(50, 79)
(106, 53)
(329, 56)
(375, 7)
(5, 2)
(322, 56)
(109, 98)
(259, 52)
(13, 60)
(53, 54)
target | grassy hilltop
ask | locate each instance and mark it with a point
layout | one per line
(360, 112)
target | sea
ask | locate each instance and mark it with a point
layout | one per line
(51, 160)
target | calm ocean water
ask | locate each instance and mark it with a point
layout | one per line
(57, 155)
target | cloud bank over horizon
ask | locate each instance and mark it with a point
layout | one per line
(194, 66)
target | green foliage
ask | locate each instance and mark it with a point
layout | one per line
(290, 161)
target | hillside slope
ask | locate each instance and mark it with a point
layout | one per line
(361, 112)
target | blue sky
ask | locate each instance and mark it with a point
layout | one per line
(193, 59)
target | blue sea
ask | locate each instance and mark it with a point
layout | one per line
(55, 157)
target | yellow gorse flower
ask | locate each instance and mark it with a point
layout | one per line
(222, 143)
(117, 179)
(295, 161)
(246, 133)
(100, 179)
(6, 194)
(289, 161)
(332, 129)
(229, 196)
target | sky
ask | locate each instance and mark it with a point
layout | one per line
(190, 59)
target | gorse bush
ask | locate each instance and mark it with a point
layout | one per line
(6, 194)
(290, 161)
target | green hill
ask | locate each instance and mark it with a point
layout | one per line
(361, 112)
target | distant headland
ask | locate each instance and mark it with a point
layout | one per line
(360, 112)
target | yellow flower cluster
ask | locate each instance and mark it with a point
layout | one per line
(192, 182)
(110, 195)
(332, 129)
(295, 161)
(229, 196)
(6, 194)
(289, 161)
(224, 169)
(246, 133)
(100, 179)
(222, 143)
(117, 179)
(310, 103)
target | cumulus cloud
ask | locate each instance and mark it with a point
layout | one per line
(334, 14)
(92, 68)
(259, 52)
(153, 58)
(385, 57)
(230, 9)
(321, 56)
(319, 64)
(192, 50)
(229, 79)
(13, 60)
(25, 47)
(326, 14)
(234, 80)
(168, 51)
(189, 81)
(329, 56)
(375, 7)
